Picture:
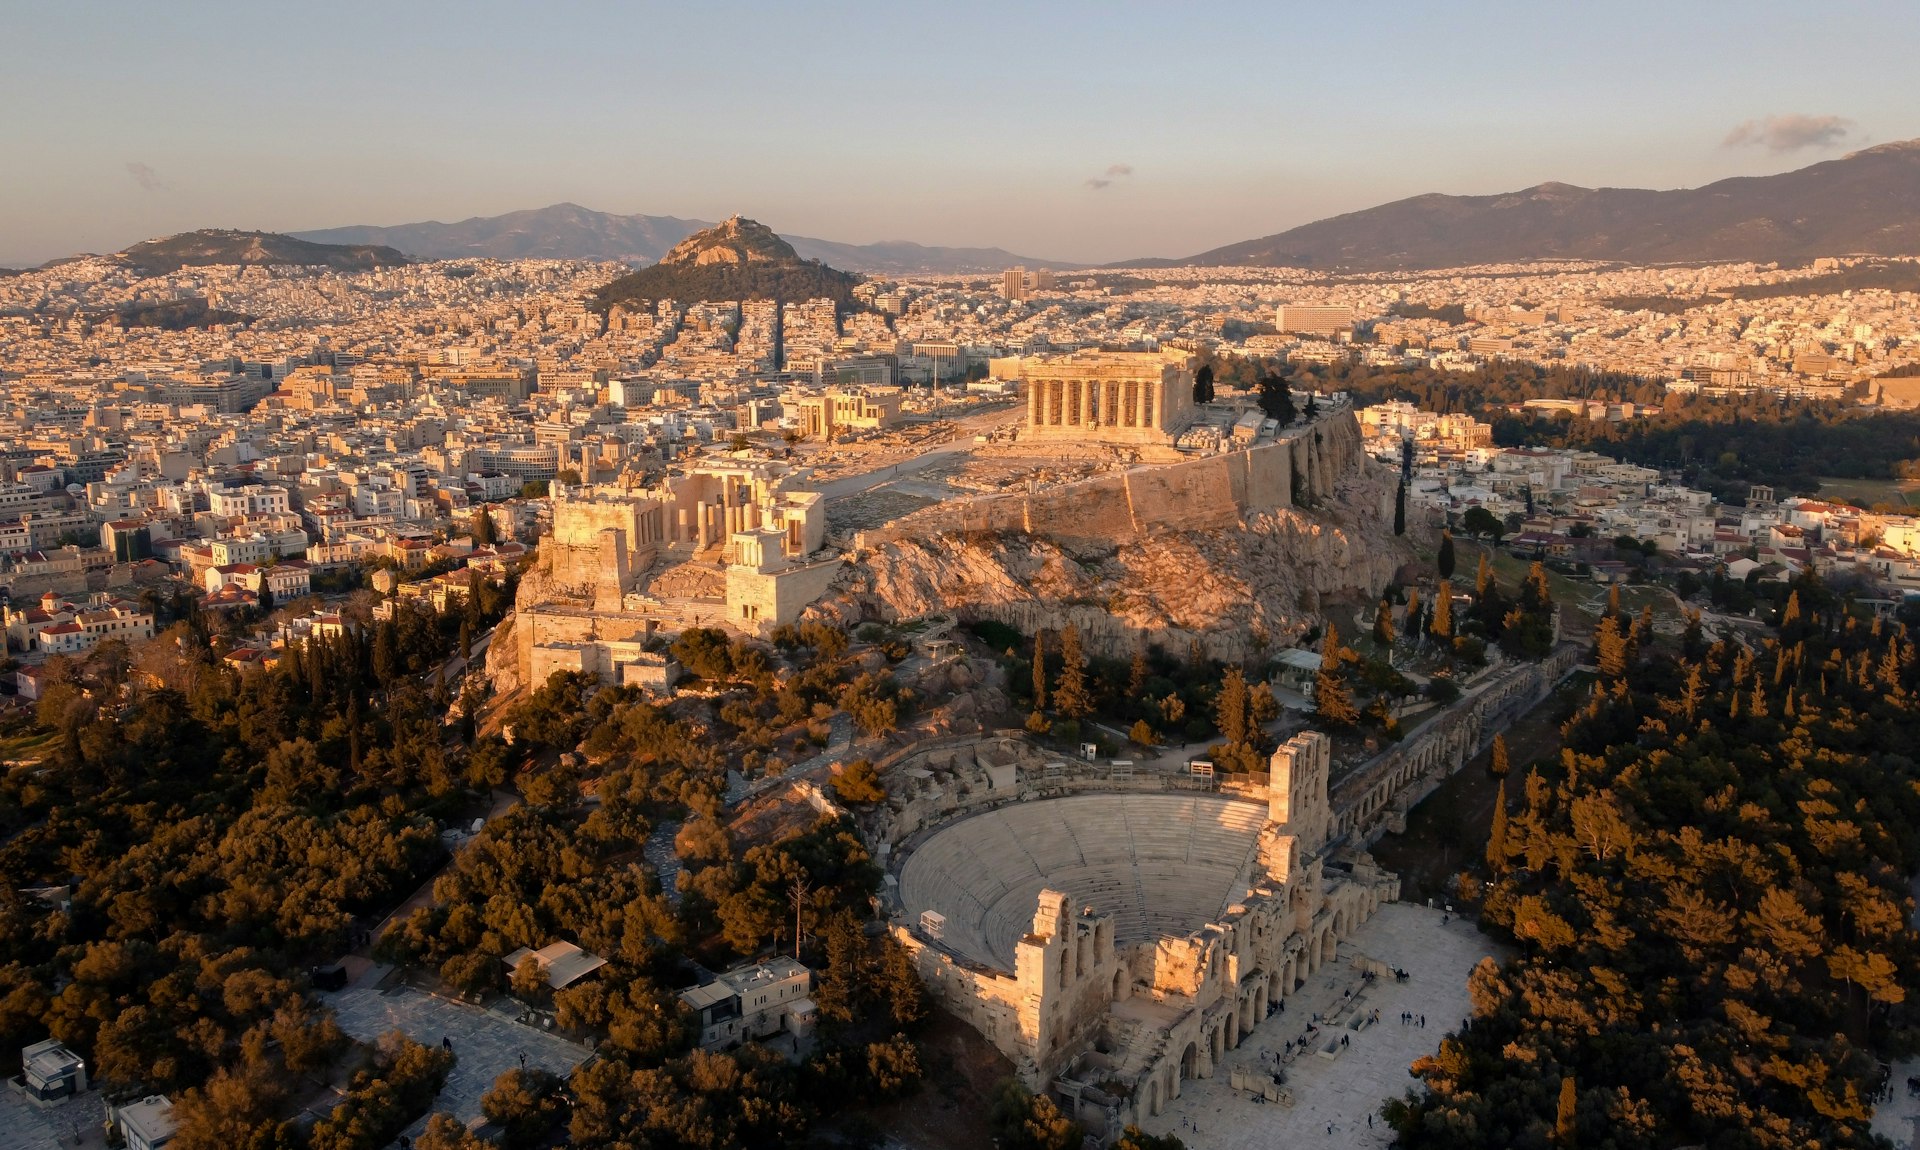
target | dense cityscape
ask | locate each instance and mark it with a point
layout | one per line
(1438, 676)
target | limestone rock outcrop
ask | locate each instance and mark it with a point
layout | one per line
(1235, 588)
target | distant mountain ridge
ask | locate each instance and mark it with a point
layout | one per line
(569, 231)
(738, 259)
(212, 246)
(1865, 203)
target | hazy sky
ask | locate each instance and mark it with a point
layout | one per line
(1086, 131)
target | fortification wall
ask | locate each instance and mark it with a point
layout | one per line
(1208, 493)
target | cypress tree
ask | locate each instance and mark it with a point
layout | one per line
(1383, 624)
(1443, 611)
(1400, 510)
(1230, 709)
(1497, 840)
(1070, 696)
(1446, 555)
(1499, 764)
(1039, 672)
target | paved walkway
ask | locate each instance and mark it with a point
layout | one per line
(486, 1044)
(25, 1126)
(1340, 1094)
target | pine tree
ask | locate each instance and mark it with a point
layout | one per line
(1499, 765)
(1400, 510)
(1383, 624)
(1039, 672)
(1443, 611)
(1497, 840)
(482, 527)
(1446, 555)
(1070, 695)
(1332, 701)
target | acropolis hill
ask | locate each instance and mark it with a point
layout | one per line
(1110, 499)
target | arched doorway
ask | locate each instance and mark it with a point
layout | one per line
(1230, 1033)
(1260, 1001)
(1120, 984)
(1327, 946)
(1190, 1062)
(1153, 1097)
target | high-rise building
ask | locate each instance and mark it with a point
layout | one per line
(1013, 283)
(1315, 319)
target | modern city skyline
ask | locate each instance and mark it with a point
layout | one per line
(1075, 132)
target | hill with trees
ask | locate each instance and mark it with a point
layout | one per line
(740, 259)
(216, 246)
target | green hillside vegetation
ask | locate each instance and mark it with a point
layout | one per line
(175, 315)
(1709, 896)
(214, 246)
(1719, 445)
(214, 834)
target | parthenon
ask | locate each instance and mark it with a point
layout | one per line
(1143, 398)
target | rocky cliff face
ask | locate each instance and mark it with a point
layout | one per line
(1236, 590)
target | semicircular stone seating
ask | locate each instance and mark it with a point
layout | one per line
(1160, 864)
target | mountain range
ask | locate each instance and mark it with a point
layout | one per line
(1865, 203)
(569, 231)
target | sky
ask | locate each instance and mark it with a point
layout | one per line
(1061, 130)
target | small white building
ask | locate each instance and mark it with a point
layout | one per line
(50, 1073)
(753, 1001)
(562, 962)
(147, 1124)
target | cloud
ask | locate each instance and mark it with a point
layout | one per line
(1790, 133)
(1106, 179)
(145, 176)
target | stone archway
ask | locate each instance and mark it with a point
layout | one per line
(1153, 1097)
(1327, 948)
(1217, 1044)
(1190, 1062)
(1230, 1033)
(1120, 984)
(1260, 1003)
